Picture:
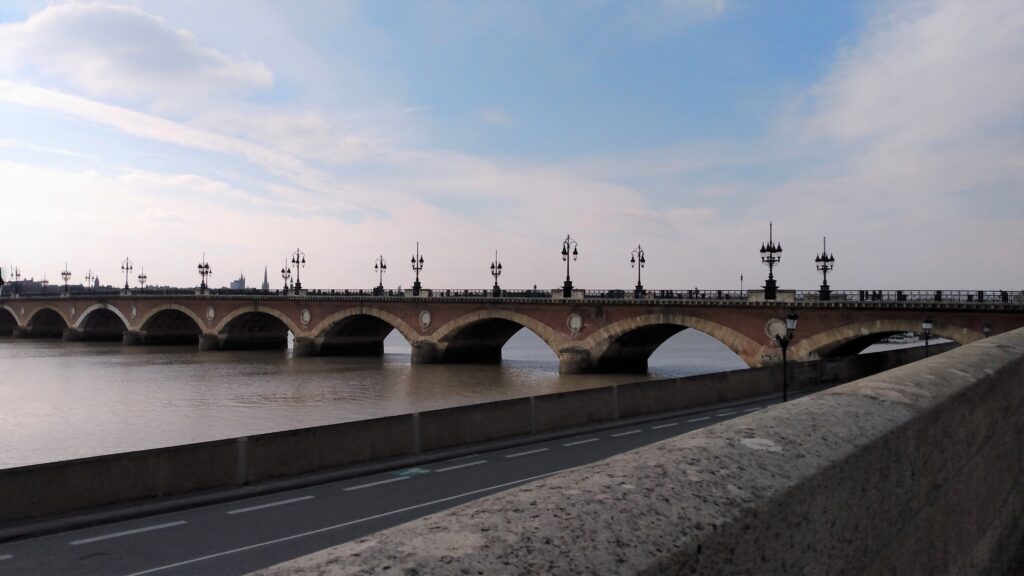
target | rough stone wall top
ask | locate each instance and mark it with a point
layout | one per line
(917, 470)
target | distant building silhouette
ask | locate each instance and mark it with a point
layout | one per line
(239, 284)
(266, 283)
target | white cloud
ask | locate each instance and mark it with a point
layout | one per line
(496, 116)
(124, 53)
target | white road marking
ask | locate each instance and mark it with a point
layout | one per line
(752, 409)
(626, 433)
(699, 419)
(725, 414)
(660, 426)
(270, 505)
(342, 525)
(457, 466)
(528, 452)
(377, 483)
(6, 556)
(126, 533)
(578, 442)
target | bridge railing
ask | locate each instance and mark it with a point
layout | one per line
(958, 296)
(1013, 297)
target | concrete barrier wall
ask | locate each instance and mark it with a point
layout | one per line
(918, 470)
(60, 487)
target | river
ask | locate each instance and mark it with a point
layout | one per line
(65, 400)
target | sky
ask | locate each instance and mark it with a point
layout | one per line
(164, 130)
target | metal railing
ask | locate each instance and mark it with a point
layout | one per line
(1013, 297)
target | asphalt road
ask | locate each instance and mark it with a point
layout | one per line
(243, 535)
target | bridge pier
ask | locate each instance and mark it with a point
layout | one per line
(132, 338)
(72, 335)
(574, 361)
(424, 352)
(208, 342)
(304, 346)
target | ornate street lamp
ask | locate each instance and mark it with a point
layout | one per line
(986, 329)
(926, 329)
(66, 275)
(566, 245)
(89, 280)
(496, 271)
(143, 278)
(638, 261)
(771, 254)
(299, 261)
(16, 274)
(126, 267)
(824, 262)
(784, 341)
(380, 266)
(204, 271)
(417, 265)
(286, 274)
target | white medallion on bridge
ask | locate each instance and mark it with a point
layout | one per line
(773, 328)
(574, 322)
(425, 318)
(210, 313)
(22, 311)
(135, 311)
(72, 311)
(305, 316)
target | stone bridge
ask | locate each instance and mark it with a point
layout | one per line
(588, 334)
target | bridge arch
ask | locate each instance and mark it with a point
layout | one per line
(102, 322)
(851, 339)
(479, 336)
(255, 328)
(170, 324)
(47, 322)
(359, 330)
(625, 346)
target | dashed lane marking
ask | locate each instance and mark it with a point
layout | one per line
(752, 409)
(126, 533)
(724, 414)
(270, 505)
(457, 466)
(527, 453)
(6, 557)
(701, 419)
(377, 483)
(578, 442)
(660, 426)
(627, 433)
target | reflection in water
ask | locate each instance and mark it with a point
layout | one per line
(63, 400)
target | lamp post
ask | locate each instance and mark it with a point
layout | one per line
(299, 261)
(566, 245)
(204, 272)
(417, 265)
(926, 329)
(986, 329)
(771, 254)
(126, 267)
(286, 274)
(89, 279)
(66, 275)
(16, 274)
(637, 260)
(143, 278)
(824, 262)
(380, 266)
(784, 341)
(496, 271)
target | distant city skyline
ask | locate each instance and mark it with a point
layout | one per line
(163, 130)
